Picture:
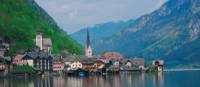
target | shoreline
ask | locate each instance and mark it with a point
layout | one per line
(174, 70)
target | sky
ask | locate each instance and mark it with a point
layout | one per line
(72, 15)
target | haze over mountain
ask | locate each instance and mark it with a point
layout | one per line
(100, 31)
(172, 33)
(73, 15)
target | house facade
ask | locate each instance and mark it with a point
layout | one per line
(76, 65)
(39, 60)
(18, 60)
(43, 63)
(3, 64)
(58, 66)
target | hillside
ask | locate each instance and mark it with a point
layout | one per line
(100, 31)
(171, 33)
(21, 19)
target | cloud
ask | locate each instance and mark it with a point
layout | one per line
(72, 15)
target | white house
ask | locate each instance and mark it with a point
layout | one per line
(159, 64)
(75, 66)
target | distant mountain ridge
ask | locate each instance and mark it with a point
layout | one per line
(100, 31)
(171, 33)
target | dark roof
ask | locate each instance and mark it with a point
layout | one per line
(37, 54)
(5, 59)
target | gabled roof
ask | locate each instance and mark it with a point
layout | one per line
(18, 57)
(88, 60)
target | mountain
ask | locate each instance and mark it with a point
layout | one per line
(100, 31)
(172, 33)
(21, 19)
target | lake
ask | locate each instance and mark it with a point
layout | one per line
(124, 79)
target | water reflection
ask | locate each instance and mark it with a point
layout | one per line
(158, 80)
(125, 79)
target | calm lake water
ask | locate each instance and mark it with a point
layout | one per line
(166, 79)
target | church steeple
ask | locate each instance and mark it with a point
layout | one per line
(88, 39)
(88, 49)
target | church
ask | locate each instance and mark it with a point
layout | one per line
(44, 44)
(88, 49)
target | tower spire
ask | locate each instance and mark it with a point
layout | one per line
(88, 49)
(88, 39)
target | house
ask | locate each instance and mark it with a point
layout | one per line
(3, 64)
(128, 64)
(3, 52)
(35, 58)
(58, 66)
(43, 62)
(40, 60)
(115, 55)
(75, 65)
(4, 47)
(18, 60)
(116, 63)
(100, 63)
(135, 64)
(28, 60)
(88, 66)
(56, 57)
(5, 43)
(114, 67)
(88, 63)
(158, 64)
(47, 44)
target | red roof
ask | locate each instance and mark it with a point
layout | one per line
(112, 55)
(18, 57)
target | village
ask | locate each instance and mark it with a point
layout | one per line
(40, 61)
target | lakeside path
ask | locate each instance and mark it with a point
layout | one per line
(172, 70)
